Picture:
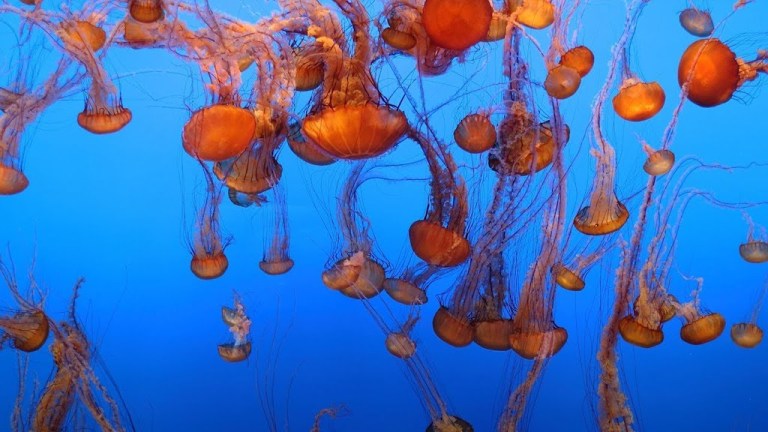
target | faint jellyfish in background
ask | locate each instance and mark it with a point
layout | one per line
(358, 273)
(409, 286)
(755, 249)
(440, 239)
(701, 326)
(276, 260)
(28, 327)
(697, 22)
(74, 380)
(712, 73)
(658, 162)
(399, 343)
(571, 271)
(254, 171)
(350, 119)
(240, 326)
(331, 413)
(748, 334)
(208, 258)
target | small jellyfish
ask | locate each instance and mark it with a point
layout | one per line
(697, 22)
(605, 215)
(12, 180)
(562, 82)
(146, 11)
(409, 287)
(240, 326)
(254, 171)
(450, 423)
(567, 278)
(399, 343)
(397, 39)
(208, 258)
(536, 14)
(639, 334)
(746, 335)
(580, 58)
(475, 133)
(659, 162)
(28, 330)
(755, 249)
(309, 68)
(82, 35)
(276, 259)
(456, 24)
(369, 282)
(637, 100)
(219, 132)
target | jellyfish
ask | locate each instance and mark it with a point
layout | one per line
(146, 11)
(208, 258)
(409, 286)
(755, 249)
(358, 274)
(240, 326)
(569, 274)
(219, 132)
(658, 162)
(254, 171)
(276, 260)
(712, 73)
(27, 328)
(536, 14)
(697, 22)
(349, 120)
(399, 343)
(748, 334)
(475, 133)
(74, 380)
(491, 328)
(456, 24)
(701, 326)
(564, 77)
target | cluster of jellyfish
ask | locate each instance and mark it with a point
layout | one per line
(334, 53)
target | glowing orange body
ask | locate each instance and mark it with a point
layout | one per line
(456, 24)
(712, 72)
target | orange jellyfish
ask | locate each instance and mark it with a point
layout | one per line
(28, 328)
(254, 171)
(564, 77)
(306, 150)
(410, 286)
(276, 260)
(349, 119)
(358, 274)
(700, 326)
(658, 162)
(439, 239)
(748, 334)
(208, 259)
(240, 326)
(475, 133)
(74, 380)
(536, 14)
(755, 249)
(491, 328)
(712, 73)
(399, 343)
(146, 11)
(456, 24)
(219, 132)
(569, 274)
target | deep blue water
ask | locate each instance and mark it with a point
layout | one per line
(117, 209)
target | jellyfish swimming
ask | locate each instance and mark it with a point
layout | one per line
(240, 326)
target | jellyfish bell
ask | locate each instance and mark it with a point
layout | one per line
(275, 268)
(12, 180)
(531, 343)
(600, 222)
(659, 162)
(82, 35)
(567, 278)
(437, 245)
(636, 333)
(344, 272)
(28, 330)
(754, 251)
(711, 71)
(456, 24)
(306, 150)
(219, 132)
(450, 423)
(536, 14)
(146, 11)
(309, 69)
(234, 353)
(230, 316)
(405, 292)
(524, 152)
(580, 58)
(139, 35)
(638, 101)
(400, 345)
(397, 39)
(562, 82)
(355, 131)
(703, 329)
(697, 22)
(746, 335)
(368, 283)
(253, 172)
(209, 266)
(103, 120)
(453, 329)
(493, 334)
(475, 133)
